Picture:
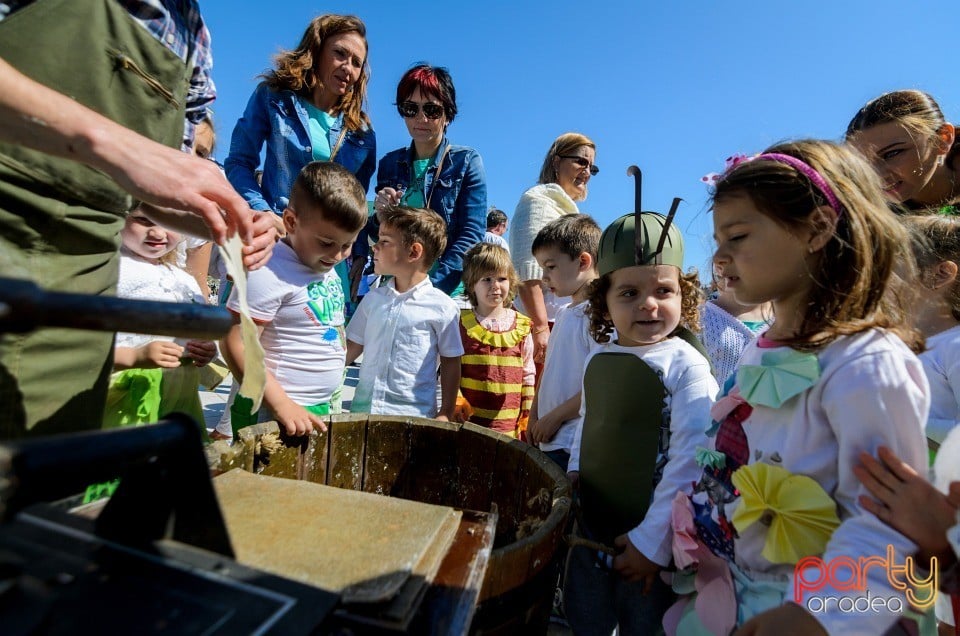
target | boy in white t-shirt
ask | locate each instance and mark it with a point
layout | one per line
(566, 249)
(297, 302)
(406, 329)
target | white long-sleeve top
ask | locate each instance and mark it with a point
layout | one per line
(941, 363)
(871, 392)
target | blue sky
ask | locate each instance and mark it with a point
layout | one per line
(674, 87)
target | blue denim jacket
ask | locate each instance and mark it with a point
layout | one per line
(459, 195)
(279, 119)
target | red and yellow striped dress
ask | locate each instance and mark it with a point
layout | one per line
(496, 373)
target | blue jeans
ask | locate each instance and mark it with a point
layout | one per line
(560, 457)
(596, 599)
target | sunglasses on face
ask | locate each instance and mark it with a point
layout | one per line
(412, 109)
(582, 163)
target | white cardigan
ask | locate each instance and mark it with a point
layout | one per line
(538, 206)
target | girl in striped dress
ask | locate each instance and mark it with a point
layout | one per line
(497, 372)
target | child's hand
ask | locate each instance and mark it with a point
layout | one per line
(907, 502)
(296, 420)
(159, 353)
(786, 620)
(544, 428)
(540, 339)
(633, 566)
(201, 351)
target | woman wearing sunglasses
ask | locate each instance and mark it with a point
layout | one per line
(433, 173)
(566, 170)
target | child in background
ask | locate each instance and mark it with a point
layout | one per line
(297, 302)
(804, 226)
(566, 249)
(646, 397)
(936, 246)
(496, 228)
(728, 327)
(406, 329)
(497, 374)
(154, 376)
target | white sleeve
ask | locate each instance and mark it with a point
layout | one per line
(448, 338)
(574, 464)
(938, 428)
(265, 294)
(357, 326)
(689, 419)
(873, 400)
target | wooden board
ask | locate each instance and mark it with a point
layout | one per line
(361, 545)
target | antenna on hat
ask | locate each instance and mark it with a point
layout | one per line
(634, 171)
(667, 223)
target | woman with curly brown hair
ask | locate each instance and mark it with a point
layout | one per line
(308, 108)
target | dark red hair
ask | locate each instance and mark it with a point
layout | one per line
(433, 81)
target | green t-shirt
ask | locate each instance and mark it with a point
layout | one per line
(318, 126)
(415, 195)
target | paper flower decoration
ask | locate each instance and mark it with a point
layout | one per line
(725, 405)
(801, 516)
(710, 606)
(780, 375)
(685, 544)
(709, 458)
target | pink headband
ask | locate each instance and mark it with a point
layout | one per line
(806, 170)
(803, 168)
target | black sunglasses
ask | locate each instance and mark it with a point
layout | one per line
(582, 163)
(412, 109)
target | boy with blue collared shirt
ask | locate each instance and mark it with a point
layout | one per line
(407, 328)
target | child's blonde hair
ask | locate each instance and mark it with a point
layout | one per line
(935, 239)
(482, 260)
(855, 287)
(691, 297)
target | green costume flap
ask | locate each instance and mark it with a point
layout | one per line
(625, 429)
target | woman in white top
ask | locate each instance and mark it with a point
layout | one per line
(566, 170)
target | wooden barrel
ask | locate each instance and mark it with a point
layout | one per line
(458, 465)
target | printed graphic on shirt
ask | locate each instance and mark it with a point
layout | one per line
(326, 306)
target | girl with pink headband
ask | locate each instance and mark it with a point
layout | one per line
(804, 226)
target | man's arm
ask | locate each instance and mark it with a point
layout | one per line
(38, 117)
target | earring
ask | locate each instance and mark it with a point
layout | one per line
(941, 159)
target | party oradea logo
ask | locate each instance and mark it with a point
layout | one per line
(846, 579)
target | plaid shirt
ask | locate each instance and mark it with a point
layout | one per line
(179, 26)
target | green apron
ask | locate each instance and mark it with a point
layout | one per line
(60, 220)
(625, 427)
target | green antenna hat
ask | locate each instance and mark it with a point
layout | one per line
(658, 241)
